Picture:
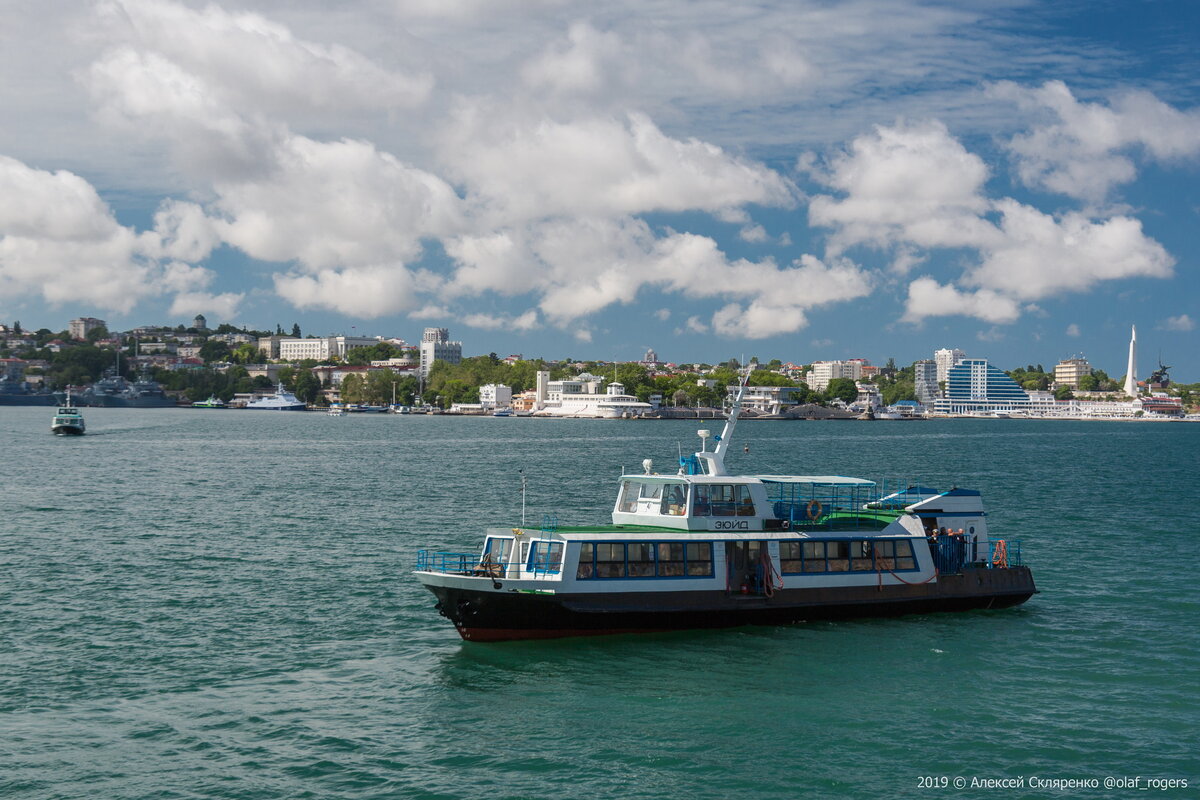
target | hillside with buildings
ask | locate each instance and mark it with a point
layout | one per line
(194, 362)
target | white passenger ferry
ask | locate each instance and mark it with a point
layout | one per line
(68, 421)
(704, 549)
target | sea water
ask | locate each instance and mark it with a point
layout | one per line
(208, 603)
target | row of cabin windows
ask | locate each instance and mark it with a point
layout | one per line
(694, 559)
(708, 500)
(846, 556)
(644, 560)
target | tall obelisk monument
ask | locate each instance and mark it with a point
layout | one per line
(1131, 371)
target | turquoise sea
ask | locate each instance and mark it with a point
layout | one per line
(219, 604)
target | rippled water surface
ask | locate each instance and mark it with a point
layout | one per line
(219, 604)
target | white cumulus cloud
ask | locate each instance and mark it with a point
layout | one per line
(259, 64)
(59, 240)
(1180, 323)
(911, 183)
(523, 322)
(222, 306)
(912, 188)
(522, 167)
(1040, 256)
(367, 291)
(928, 298)
(1084, 150)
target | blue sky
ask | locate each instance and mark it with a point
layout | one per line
(801, 180)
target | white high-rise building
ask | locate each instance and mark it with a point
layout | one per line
(823, 372)
(925, 381)
(1131, 370)
(436, 346)
(945, 359)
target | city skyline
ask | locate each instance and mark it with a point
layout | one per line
(799, 180)
(415, 343)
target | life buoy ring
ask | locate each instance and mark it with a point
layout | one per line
(786, 524)
(813, 510)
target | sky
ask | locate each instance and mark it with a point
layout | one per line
(800, 179)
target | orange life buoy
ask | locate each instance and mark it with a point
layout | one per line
(814, 509)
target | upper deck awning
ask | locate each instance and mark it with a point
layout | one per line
(816, 480)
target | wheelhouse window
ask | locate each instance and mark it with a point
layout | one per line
(497, 550)
(674, 500)
(722, 500)
(644, 497)
(629, 496)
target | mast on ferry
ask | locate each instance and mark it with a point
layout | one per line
(714, 460)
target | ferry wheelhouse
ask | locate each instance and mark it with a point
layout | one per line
(703, 549)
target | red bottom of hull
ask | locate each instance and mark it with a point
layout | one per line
(512, 634)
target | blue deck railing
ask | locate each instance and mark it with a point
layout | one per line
(952, 553)
(1004, 553)
(454, 563)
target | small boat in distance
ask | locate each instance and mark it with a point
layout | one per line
(336, 410)
(282, 400)
(212, 402)
(68, 421)
(703, 548)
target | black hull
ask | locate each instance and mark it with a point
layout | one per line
(105, 401)
(490, 616)
(30, 400)
(66, 431)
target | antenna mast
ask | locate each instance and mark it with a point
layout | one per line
(715, 460)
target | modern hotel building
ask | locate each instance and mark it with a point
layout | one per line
(973, 386)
